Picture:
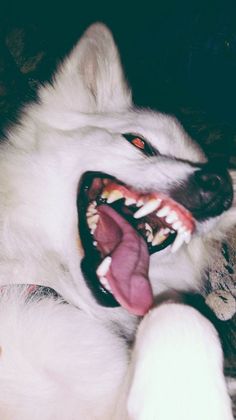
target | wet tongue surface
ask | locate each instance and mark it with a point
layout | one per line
(128, 272)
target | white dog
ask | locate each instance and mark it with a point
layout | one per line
(90, 187)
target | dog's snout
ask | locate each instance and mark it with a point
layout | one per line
(214, 190)
(207, 193)
(214, 187)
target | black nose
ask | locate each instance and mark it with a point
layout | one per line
(210, 183)
(213, 189)
(207, 193)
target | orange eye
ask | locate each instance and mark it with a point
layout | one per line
(138, 143)
(141, 144)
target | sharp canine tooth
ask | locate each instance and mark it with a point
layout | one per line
(104, 267)
(179, 240)
(147, 208)
(103, 280)
(172, 217)
(163, 212)
(105, 283)
(114, 196)
(129, 201)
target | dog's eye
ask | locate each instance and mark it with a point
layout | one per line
(141, 144)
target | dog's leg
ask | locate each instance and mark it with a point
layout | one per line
(177, 368)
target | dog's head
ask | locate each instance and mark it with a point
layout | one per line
(142, 185)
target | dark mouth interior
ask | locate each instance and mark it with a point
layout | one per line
(112, 230)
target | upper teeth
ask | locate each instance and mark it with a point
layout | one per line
(187, 237)
(177, 225)
(129, 201)
(147, 208)
(140, 203)
(171, 217)
(184, 236)
(164, 211)
(114, 196)
(105, 194)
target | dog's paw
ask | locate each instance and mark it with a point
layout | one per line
(177, 368)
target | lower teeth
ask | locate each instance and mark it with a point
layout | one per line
(159, 237)
(104, 282)
(149, 237)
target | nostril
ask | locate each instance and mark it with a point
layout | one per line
(209, 182)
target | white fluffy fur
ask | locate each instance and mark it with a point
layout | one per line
(59, 362)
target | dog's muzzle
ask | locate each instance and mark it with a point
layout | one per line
(207, 193)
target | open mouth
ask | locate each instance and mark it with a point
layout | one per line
(119, 229)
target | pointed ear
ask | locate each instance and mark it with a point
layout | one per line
(91, 78)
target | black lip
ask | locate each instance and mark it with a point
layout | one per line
(92, 257)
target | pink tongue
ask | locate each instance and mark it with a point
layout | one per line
(128, 272)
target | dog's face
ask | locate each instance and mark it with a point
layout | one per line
(142, 184)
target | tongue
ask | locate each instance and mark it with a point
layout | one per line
(128, 272)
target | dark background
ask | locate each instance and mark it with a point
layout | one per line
(179, 57)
